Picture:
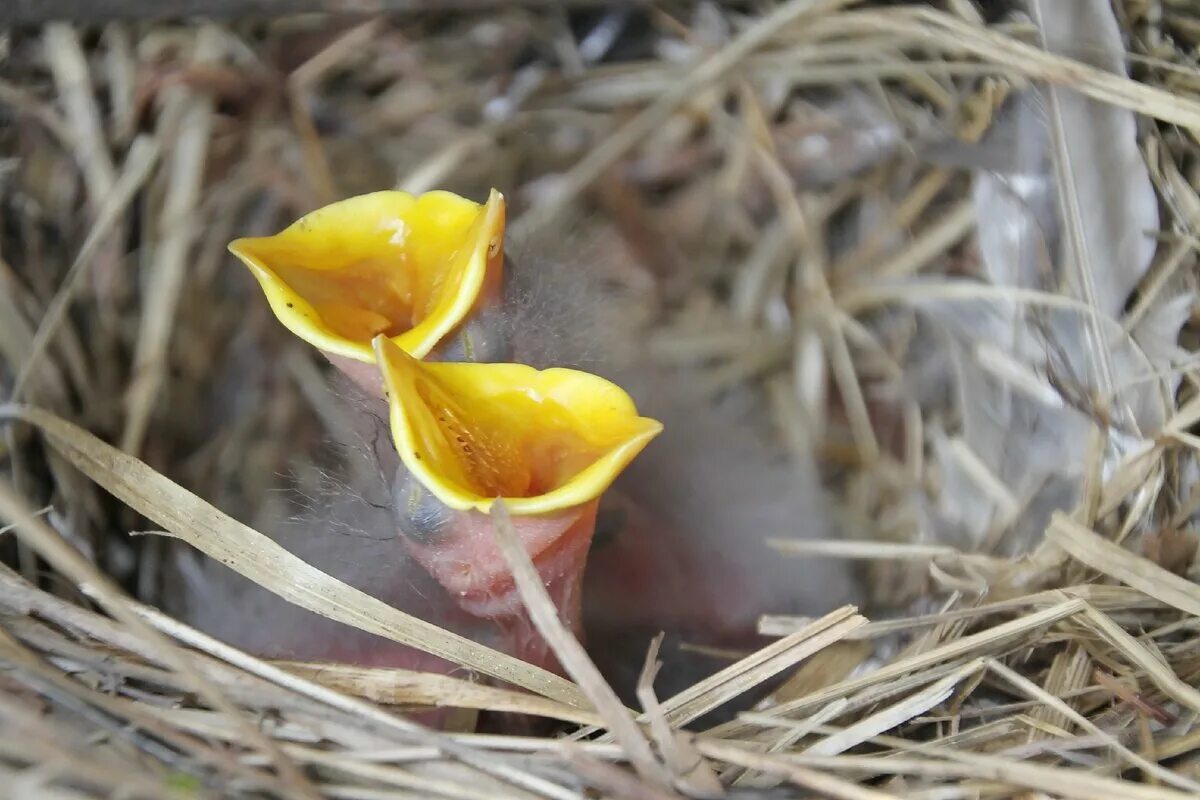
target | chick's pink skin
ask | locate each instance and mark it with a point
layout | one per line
(466, 560)
(463, 557)
(366, 375)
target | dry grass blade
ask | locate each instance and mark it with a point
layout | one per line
(828, 785)
(983, 641)
(864, 298)
(1075, 784)
(1098, 595)
(31, 736)
(942, 235)
(20, 100)
(396, 780)
(834, 224)
(612, 779)
(593, 165)
(1142, 574)
(1034, 691)
(406, 687)
(1159, 673)
(837, 548)
(943, 31)
(237, 676)
(193, 114)
(735, 679)
(692, 773)
(126, 719)
(143, 155)
(570, 653)
(894, 715)
(69, 562)
(248, 552)
(66, 59)
(357, 708)
(451, 784)
(1074, 163)
(794, 732)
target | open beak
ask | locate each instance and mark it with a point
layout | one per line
(381, 281)
(547, 442)
(409, 268)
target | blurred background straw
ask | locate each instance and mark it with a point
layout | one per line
(954, 243)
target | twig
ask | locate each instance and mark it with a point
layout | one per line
(570, 653)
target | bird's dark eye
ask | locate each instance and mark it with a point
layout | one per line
(419, 515)
(611, 519)
(483, 339)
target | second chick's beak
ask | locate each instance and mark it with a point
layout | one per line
(547, 442)
(413, 269)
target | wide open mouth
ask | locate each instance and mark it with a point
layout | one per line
(388, 263)
(543, 440)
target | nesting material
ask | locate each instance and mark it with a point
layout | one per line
(883, 221)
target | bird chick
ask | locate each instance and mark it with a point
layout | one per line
(379, 281)
(681, 536)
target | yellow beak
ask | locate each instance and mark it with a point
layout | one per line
(388, 263)
(542, 440)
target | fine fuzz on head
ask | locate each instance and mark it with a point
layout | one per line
(680, 541)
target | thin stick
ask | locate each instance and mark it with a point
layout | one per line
(570, 652)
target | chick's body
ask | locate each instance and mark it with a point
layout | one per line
(680, 544)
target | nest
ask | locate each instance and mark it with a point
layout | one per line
(792, 186)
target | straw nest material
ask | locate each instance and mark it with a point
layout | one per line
(799, 182)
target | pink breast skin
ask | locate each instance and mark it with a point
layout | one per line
(466, 561)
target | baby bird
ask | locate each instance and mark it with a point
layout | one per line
(380, 281)
(411, 298)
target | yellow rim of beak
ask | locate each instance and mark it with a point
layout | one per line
(407, 267)
(542, 440)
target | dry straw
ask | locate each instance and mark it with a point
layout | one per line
(795, 183)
